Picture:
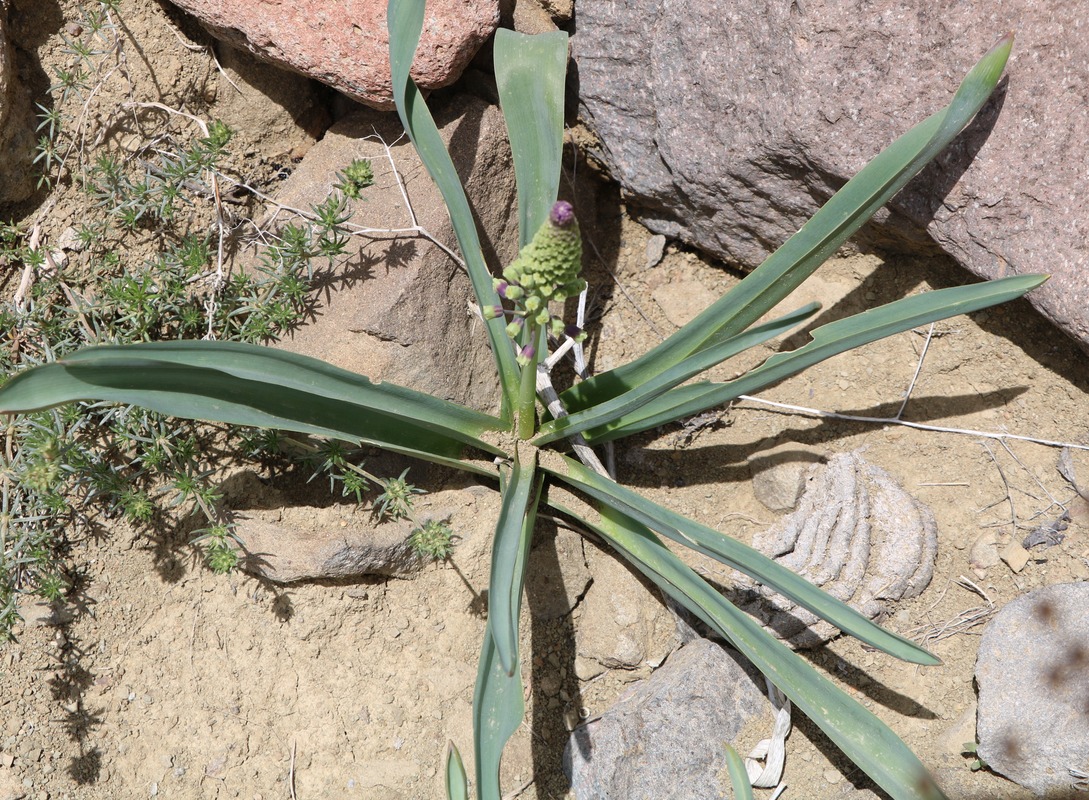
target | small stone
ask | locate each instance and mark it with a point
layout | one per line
(984, 553)
(69, 240)
(778, 477)
(1015, 556)
(832, 776)
(655, 250)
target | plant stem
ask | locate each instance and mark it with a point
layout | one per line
(527, 390)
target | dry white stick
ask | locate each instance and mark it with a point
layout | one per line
(555, 407)
(815, 412)
(291, 771)
(28, 270)
(972, 587)
(918, 369)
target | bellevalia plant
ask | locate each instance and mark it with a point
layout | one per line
(523, 448)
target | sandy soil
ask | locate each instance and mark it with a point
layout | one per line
(161, 679)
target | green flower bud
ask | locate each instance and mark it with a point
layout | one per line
(554, 257)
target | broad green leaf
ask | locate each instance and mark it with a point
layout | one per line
(498, 704)
(739, 776)
(736, 555)
(828, 340)
(203, 393)
(405, 23)
(498, 710)
(293, 371)
(865, 739)
(457, 782)
(786, 268)
(530, 72)
(639, 396)
(511, 539)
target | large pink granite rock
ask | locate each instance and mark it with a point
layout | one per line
(344, 43)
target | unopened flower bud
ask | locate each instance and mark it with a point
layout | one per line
(550, 264)
(525, 354)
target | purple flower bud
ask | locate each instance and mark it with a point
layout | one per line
(572, 331)
(501, 289)
(562, 214)
(527, 351)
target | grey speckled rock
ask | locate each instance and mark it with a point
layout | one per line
(663, 741)
(729, 124)
(1033, 677)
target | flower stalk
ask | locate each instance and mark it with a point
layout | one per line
(546, 270)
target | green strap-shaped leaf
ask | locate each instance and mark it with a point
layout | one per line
(865, 739)
(498, 704)
(457, 782)
(405, 22)
(305, 374)
(530, 72)
(737, 555)
(828, 340)
(619, 407)
(202, 393)
(786, 268)
(498, 710)
(511, 538)
(739, 776)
